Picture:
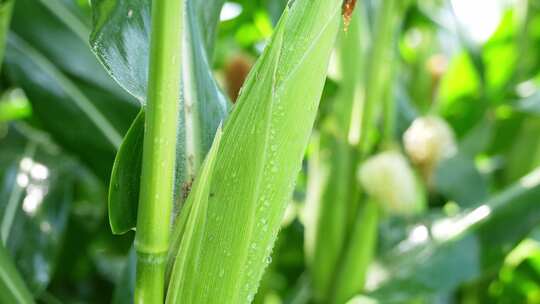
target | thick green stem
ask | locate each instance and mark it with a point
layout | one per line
(159, 151)
(332, 162)
(360, 248)
(379, 57)
(357, 258)
(390, 115)
(351, 64)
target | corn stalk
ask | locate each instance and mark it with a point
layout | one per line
(359, 252)
(159, 151)
(341, 230)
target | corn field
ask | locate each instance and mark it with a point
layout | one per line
(270, 151)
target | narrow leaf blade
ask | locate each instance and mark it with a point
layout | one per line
(12, 287)
(261, 153)
(126, 179)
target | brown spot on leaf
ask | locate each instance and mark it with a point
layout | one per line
(186, 188)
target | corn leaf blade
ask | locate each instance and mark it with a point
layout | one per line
(260, 155)
(475, 241)
(193, 230)
(124, 183)
(12, 288)
(327, 211)
(36, 190)
(74, 98)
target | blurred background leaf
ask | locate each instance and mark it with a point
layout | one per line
(71, 95)
(12, 286)
(474, 241)
(36, 194)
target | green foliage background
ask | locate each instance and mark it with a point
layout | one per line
(62, 111)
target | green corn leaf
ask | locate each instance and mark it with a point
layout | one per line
(360, 249)
(12, 288)
(352, 54)
(71, 95)
(37, 182)
(120, 39)
(475, 241)
(328, 205)
(332, 191)
(522, 160)
(257, 162)
(6, 8)
(363, 238)
(459, 180)
(124, 183)
(186, 259)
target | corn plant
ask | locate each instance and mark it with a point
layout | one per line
(376, 151)
(259, 199)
